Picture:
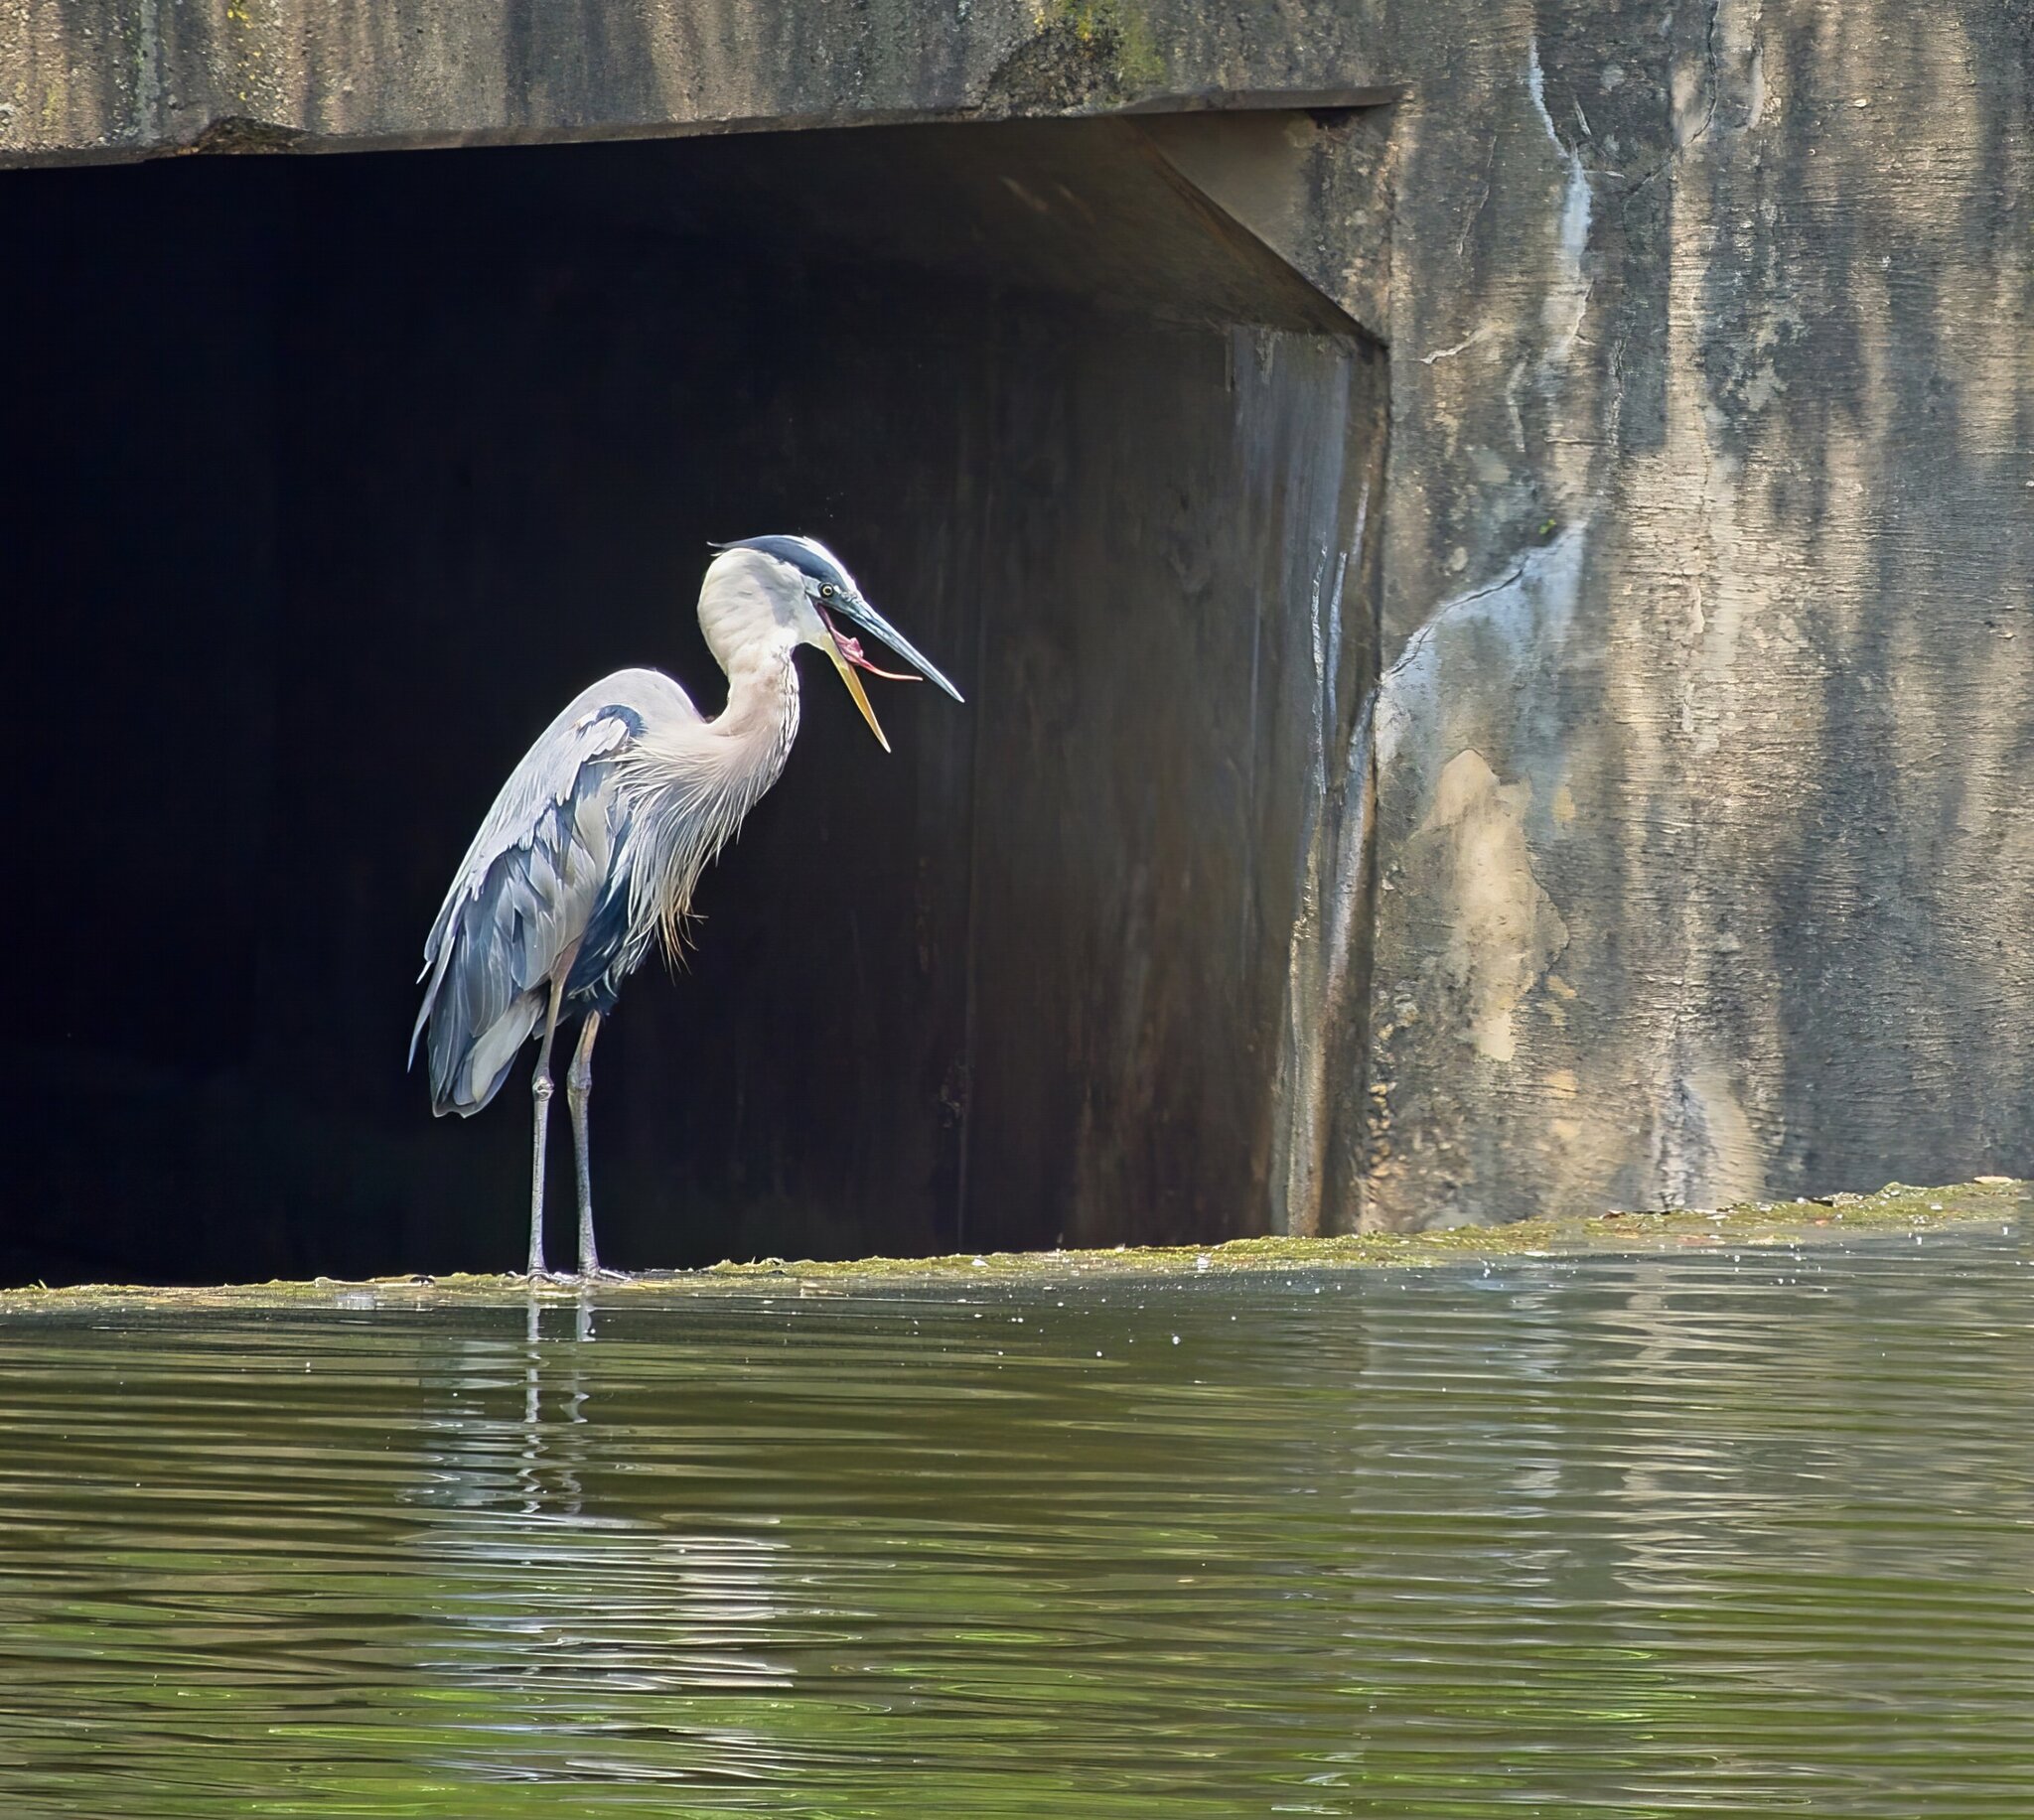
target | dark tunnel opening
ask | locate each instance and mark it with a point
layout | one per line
(333, 479)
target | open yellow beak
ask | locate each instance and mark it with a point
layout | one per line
(854, 688)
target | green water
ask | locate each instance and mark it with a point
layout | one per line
(1714, 1534)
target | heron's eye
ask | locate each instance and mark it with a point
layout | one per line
(825, 591)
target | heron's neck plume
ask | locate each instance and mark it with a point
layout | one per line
(692, 786)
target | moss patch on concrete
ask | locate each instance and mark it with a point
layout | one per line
(1087, 53)
(1991, 1201)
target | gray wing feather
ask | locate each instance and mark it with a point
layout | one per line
(528, 886)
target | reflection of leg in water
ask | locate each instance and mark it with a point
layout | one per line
(538, 1454)
(532, 1412)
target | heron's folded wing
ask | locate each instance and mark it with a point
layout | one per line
(526, 890)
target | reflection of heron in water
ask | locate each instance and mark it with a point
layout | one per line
(557, 1590)
(593, 848)
(532, 1403)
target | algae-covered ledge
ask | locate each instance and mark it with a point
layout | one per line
(1990, 1201)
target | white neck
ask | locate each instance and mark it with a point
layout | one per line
(760, 718)
(693, 786)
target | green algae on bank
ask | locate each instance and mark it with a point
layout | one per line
(1895, 1208)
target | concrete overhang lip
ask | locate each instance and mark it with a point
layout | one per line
(1264, 100)
(233, 135)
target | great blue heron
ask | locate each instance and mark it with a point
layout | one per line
(593, 847)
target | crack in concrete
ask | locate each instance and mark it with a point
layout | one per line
(1676, 148)
(1715, 77)
(1476, 214)
(1461, 346)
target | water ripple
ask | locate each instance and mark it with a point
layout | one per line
(1711, 1535)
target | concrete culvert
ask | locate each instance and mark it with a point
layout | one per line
(348, 472)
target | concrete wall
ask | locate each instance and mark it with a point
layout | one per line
(1707, 745)
(1699, 857)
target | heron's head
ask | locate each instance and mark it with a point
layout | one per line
(829, 610)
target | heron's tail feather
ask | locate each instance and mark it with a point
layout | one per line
(477, 1076)
(475, 1015)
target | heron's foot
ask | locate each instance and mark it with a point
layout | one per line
(557, 1279)
(599, 1273)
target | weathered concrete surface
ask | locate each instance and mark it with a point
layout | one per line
(128, 77)
(1702, 857)
(1706, 745)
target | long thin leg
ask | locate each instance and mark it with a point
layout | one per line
(540, 1092)
(578, 1090)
